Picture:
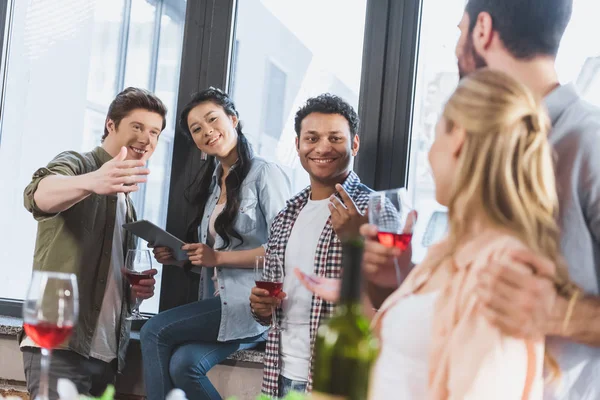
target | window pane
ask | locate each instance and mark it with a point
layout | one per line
(140, 44)
(65, 66)
(279, 60)
(166, 84)
(105, 47)
(437, 76)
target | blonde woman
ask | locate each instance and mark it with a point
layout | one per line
(492, 168)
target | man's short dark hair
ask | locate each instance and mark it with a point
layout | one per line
(132, 99)
(327, 103)
(528, 28)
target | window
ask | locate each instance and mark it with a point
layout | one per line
(286, 53)
(67, 61)
(275, 89)
(437, 76)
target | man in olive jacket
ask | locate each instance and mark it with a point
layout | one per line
(81, 201)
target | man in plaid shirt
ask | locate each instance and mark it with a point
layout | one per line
(306, 235)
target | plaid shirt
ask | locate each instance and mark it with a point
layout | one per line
(328, 263)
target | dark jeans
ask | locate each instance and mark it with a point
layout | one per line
(180, 346)
(287, 385)
(91, 376)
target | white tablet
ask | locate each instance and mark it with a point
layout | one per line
(157, 236)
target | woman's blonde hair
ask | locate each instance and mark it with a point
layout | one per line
(505, 168)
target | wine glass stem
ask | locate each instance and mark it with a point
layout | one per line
(136, 307)
(274, 323)
(44, 373)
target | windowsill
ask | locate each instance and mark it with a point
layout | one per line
(10, 326)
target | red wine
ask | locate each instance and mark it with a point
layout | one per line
(274, 288)
(399, 240)
(47, 335)
(135, 277)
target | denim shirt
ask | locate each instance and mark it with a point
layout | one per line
(263, 194)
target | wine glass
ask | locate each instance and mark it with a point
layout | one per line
(50, 311)
(268, 275)
(138, 265)
(390, 211)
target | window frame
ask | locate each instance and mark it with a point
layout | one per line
(387, 89)
(385, 105)
(6, 16)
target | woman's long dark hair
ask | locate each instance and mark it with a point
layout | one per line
(197, 192)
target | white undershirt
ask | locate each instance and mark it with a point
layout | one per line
(300, 252)
(401, 371)
(212, 236)
(212, 233)
(104, 342)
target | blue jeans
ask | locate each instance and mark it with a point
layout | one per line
(287, 385)
(180, 346)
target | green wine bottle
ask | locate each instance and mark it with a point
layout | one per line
(345, 349)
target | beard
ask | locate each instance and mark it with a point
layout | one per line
(470, 61)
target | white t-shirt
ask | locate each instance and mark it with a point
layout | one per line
(212, 233)
(300, 252)
(104, 342)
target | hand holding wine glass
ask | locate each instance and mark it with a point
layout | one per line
(50, 312)
(268, 293)
(139, 273)
(394, 221)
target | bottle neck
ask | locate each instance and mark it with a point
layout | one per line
(350, 293)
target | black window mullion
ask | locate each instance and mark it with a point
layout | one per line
(387, 92)
(205, 62)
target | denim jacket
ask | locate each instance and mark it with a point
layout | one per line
(263, 194)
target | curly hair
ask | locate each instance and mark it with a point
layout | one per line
(327, 103)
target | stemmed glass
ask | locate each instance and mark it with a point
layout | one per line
(268, 275)
(390, 211)
(50, 311)
(138, 265)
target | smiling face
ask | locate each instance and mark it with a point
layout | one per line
(212, 129)
(326, 147)
(138, 131)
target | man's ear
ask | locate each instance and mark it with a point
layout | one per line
(110, 125)
(355, 145)
(483, 32)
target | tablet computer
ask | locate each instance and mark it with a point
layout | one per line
(158, 237)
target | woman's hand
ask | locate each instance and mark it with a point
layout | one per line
(326, 288)
(201, 255)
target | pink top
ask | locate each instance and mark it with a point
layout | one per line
(468, 357)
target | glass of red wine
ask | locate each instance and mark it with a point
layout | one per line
(50, 311)
(390, 211)
(268, 275)
(138, 264)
